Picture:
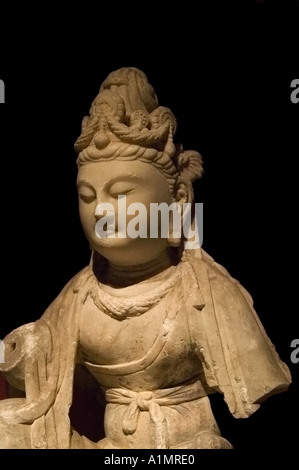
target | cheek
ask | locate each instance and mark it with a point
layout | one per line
(86, 213)
(155, 194)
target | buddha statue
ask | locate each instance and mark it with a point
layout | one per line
(153, 322)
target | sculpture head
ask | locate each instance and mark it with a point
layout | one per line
(126, 149)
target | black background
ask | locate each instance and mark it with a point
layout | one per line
(226, 75)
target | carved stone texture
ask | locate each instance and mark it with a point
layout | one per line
(149, 328)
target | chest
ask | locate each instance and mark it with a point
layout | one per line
(153, 350)
(106, 340)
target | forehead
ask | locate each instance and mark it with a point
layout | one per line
(102, 172)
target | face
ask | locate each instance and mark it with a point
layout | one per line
(108, 192)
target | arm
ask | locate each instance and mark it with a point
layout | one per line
(23, 346)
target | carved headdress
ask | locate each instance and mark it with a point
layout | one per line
(127, 123)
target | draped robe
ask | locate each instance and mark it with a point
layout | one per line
(237, 357)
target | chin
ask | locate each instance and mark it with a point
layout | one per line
(126, 250)
(100, 243)
(115, 249)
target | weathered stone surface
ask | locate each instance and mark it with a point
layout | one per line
(152, 325)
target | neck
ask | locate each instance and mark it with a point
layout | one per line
(124, 275)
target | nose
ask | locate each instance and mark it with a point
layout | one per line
(98, 216)
(104, 209)
(105, 220)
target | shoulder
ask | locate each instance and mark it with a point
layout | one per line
(77, 285)
(223, 285)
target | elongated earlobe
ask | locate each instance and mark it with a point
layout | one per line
(184, 195)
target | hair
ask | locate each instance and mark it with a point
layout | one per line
(127, 152)
(126, 123)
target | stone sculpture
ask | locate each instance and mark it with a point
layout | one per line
(156, 326)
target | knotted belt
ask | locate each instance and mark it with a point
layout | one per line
(153, 402)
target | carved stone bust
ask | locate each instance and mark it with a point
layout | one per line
(153, 325)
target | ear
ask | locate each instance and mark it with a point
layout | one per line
(190, 165)
(184, 194)
(184, 191)
(191, 168)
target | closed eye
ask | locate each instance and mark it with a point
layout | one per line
(88, 198)
(121, 188)
(86, 192)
